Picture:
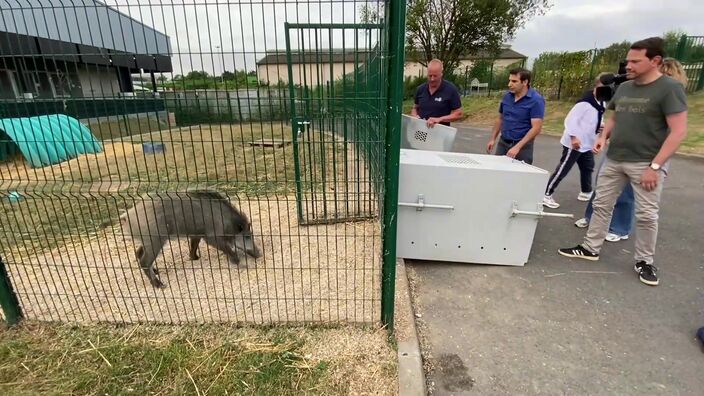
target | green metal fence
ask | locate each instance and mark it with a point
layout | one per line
(566, 75)
(339, 132)
(484, 77)
(569, 75)
(289, 110)
(690, 52)
(81, 107)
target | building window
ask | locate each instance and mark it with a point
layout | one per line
(8, 87)
(62, 83)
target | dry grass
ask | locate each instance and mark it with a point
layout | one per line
(72, 199)
(122, 126)
(67, 266)
(200, 154)
(202, 360)
(323, 273)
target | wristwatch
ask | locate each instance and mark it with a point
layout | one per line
(654, 166)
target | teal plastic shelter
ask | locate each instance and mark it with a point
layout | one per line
(47, 139)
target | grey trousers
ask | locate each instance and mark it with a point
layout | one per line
(525, 155)
(612, 178)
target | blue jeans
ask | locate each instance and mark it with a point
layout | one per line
(623, 218)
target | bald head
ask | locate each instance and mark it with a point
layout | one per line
(434, 73)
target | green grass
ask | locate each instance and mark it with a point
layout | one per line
(482, 111)
(145, 360)
(694, 142)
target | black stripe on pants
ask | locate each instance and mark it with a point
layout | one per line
(568, 159)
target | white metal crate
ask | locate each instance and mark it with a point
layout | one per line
(416, 135)
(470, 208)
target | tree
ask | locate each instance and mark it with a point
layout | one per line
(228, 75)
(672, 40)
(196, 75)
(369, 13)
(481, 70)
(448, 29)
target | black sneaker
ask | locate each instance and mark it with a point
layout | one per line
(647, 273)
(579, 252)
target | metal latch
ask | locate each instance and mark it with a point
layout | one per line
(420, 204)
(540, 213)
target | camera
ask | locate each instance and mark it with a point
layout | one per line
(611, 81)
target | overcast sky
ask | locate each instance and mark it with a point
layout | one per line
(209, 34)
(237, 33)
(580, 25)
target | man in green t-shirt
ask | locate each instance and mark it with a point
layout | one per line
(649, 123)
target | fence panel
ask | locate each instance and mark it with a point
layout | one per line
(188, 109)
(690, 52)
(568, 75)
(339, 124)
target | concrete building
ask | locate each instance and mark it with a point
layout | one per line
(328, 65)
(506, 57)
(311, 68)
(75, 49)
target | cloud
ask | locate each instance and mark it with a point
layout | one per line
(572, 25)
(245, 31)
(211, 35)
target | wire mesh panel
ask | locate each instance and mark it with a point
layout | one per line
(338, 123)
(182, 161)
(690, 51)
(567, 75)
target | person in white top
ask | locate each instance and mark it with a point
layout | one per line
(582, 125)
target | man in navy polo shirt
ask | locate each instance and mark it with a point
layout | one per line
(520, 118)
(438, 100)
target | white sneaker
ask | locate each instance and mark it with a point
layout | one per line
(582, 223)
(549, 202)
(585, 196)
(611, 237)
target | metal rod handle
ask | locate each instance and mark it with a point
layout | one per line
(423, 205)
(538, 213)
(420, 205)
(517, 212)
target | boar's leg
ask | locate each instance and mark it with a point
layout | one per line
(146, 255)
(194, 248)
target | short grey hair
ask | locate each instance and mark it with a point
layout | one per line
(436, 62)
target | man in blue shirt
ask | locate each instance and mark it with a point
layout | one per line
(520, 118)
(438, 100)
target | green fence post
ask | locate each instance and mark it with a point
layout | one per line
(681, 48)
(294, 125)
(491, 77)
(396, 22)
(8, 299)
(466, 79)
(700, 83)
